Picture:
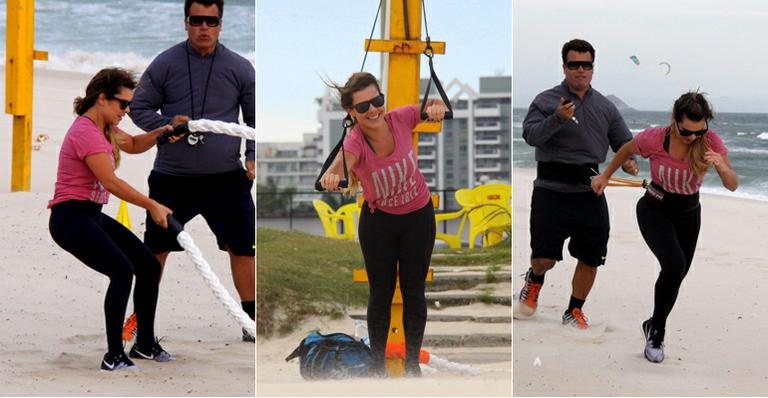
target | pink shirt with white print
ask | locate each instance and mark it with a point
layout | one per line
(394, 184)
(671, 174)
(74, 180)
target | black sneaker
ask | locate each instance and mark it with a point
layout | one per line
(119, 361)
(654, 342)
(156, 353)
(248, 337)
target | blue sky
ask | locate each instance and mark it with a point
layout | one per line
(299, 41)
(717, 46)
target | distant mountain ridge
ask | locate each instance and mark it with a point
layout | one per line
(621, 105)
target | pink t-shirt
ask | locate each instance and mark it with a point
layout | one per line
(74, 180)
(394, 184)
(673, 175)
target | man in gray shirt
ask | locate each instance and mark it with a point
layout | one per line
(203, 173)
(571, 125)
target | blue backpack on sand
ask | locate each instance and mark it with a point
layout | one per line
(332, 356)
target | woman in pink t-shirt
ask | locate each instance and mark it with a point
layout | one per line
(669, 215)
(89, 156)
(397, 221)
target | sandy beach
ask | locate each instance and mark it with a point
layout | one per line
(275, 377)
(712, 340)
(52, 312)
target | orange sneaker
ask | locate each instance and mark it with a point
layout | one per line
(529, 296)
(129, 329)
(575, 318)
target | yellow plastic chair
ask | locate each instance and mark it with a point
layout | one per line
(490, 213)
(328, 218)
(347, 214)
(331, 219)
(454, 239)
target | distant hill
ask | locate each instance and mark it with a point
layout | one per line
(620, 104)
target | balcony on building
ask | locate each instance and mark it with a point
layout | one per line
(488, 126)
(487, 153)
(487, 140)
(488, 167)
(427, 155)
(427, 139)
(488, 111)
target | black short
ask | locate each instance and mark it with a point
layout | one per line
(581, 216)
(223, 199)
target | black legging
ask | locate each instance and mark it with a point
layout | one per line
(386, 240)
(671, 231)
(106, 246)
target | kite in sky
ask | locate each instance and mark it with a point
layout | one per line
(669, 67)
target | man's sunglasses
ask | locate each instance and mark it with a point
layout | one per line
(123, 103)
(362, 107)
(698, 133)
(575, 65)
(197, 20)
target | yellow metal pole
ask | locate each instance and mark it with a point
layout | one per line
(19, 71)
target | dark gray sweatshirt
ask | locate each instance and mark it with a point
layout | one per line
(599, 126)
(165, 86)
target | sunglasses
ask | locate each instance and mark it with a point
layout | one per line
(123, 103)
(377, 101)
(575, 65)
(698, 133)
(197, 20)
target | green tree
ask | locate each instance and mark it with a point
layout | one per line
(272, 201)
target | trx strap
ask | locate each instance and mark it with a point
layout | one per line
(346, 124)
(429, 52)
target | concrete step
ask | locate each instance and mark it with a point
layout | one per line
(444, 299)
(432, 317)
(468, 340)
(466, 279)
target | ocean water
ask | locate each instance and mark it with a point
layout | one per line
(86, 36)
(745, 135)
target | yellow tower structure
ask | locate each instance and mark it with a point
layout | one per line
(19, 71)
(403, 48)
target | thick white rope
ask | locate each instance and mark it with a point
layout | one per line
(444, 364)
(219, 127)
(185, 240)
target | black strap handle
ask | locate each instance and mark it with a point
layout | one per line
(346, 124)
(179, 130)
(174, 225)
(429, 52)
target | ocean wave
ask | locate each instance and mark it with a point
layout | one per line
(763, 135)
(92, 62)
(741, 193)
(748, 150)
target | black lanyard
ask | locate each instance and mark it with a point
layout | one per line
(205, 89)
(195, 139)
